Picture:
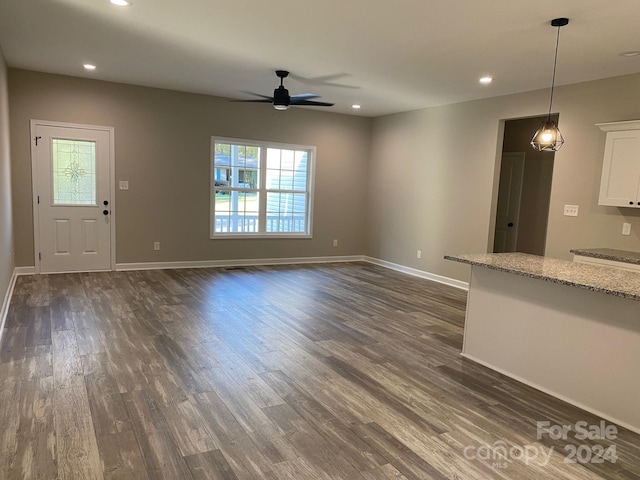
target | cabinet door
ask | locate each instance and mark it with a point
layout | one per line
(621, 169)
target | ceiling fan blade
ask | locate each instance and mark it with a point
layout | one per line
(304, 96)
(325, 80)
(311, 102)
(260, 100)
(257, 94)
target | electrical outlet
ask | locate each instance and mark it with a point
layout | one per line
(335, 242)
(124, 184)
(419, 254)
(571, 210)
(156, 245)
(626, 229)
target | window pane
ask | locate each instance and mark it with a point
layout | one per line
(74, 172)
(286, 212)
(236, 165)
(300, 173)
(273, 179)
(237, 212)
(273, 158)
(287, 160)
(293, 172)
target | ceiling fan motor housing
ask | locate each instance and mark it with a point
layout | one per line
(281, 97)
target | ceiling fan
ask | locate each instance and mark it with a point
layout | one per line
(281, 99)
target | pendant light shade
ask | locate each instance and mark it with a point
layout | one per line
(548, 137)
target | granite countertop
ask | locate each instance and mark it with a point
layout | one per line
(611, 281)
(609, 254)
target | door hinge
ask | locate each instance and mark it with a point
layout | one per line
(39, 256)
(37, 138)
(38, 199)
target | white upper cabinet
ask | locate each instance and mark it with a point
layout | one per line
(620, 183)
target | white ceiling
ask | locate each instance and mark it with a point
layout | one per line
(388, 55)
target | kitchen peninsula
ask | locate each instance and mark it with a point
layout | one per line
(569, 329)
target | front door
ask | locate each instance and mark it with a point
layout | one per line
(72, 195)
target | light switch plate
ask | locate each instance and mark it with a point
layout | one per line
(124, 184)
(571, 210)
(626, 229)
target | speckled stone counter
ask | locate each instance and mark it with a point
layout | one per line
(609, 254)
(538, 320)
(611, 281)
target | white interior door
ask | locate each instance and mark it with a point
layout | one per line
(72, 197)
(509, 194)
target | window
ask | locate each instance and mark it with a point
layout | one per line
(74, 172)
(260, 189)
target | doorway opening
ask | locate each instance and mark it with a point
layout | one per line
(524, 192)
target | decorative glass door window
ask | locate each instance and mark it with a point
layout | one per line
(74, 172)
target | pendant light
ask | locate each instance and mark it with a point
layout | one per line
(548, 137)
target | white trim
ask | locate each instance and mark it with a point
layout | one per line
(34, 199)
(248, 262)
(619, 126)
(552, 393)
(452, 282)
(263, 145)
(34, 176)
(25, 271)
(112, 192)
(7, 300)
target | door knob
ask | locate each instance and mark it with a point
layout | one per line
(510, 224)
(105, 212)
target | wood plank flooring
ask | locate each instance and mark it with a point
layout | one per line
(340, 371)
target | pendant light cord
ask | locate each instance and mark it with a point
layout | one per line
(553, 79)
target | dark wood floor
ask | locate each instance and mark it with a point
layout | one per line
(345, 371)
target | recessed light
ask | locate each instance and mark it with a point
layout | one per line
(356, 106)
(633, 53)
(486, 80)
(121, 3)
(88, 66)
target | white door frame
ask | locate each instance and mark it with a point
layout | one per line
(34, 183)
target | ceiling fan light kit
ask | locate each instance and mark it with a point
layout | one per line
(281, 100)
(548, 137)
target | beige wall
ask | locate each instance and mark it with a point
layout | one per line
(433, 175)
(536, 184)
(6, 223)
(424, 180)
(162, 143)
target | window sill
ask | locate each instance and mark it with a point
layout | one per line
(261, 236)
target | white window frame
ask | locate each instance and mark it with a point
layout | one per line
(262, 190)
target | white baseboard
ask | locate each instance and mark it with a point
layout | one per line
(25, 271)
(452, 282)
(552, 393)
(7, 300)
(248, 262)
